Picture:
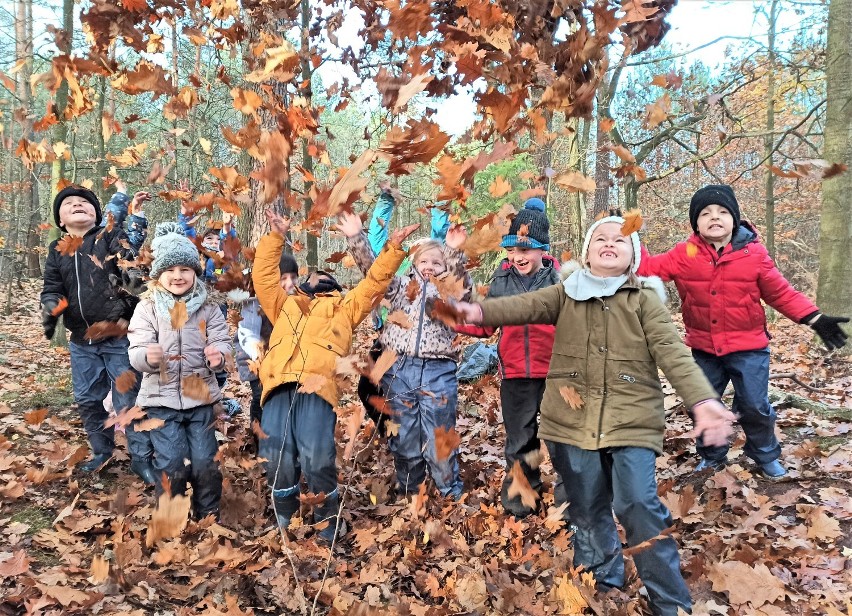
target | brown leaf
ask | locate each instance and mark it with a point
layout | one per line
(520, 486)
(61, 305)
(446, 313)
(68, 245)
(125, 381)
(499, 187)
(178, 315)
(146, 425)
(451, 287)
(691, 250)
(632, 222)
(400, 319)
(574, 181)
(658, 111)
(123, 418)
(17, 564)
(100, 569)
(312, 500)
(822, 526)
(382, 365)
(35, 417)
(105, 329)
(744, 584)
(169, 518)
(446, 441)
(195, 387)
(412, 290)
(312, 383)
(570, 395)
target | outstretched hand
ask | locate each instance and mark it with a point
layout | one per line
(829, 330)
(398, 236)
(713, 423)
(349, 224)
(137, 203)
(470, 313)
(456, 237)
(277, 223)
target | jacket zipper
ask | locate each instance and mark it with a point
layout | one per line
(79, 296)
(180, 368)
(420, 322)
(605, 309)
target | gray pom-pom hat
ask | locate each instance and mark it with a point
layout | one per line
(171, 247)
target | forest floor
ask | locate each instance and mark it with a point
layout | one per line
(72, 543)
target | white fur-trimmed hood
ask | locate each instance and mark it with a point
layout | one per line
(645, 282)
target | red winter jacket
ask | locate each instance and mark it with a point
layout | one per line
(721, 293)
(524, 350)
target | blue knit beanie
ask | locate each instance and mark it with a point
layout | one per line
(537, 227)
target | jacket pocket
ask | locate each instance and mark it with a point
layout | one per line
(332, 346)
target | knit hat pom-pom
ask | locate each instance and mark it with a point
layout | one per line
(168, 227)
(534, 203)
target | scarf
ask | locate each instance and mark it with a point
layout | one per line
(583, 285)
(324, 285)
(194, 299)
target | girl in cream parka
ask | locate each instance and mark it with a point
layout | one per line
(178, 359)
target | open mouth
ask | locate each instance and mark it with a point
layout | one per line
(608, 254)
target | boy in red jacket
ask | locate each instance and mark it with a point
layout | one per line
(524, 350)
(722, 272)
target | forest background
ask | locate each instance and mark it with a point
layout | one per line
(290, 105)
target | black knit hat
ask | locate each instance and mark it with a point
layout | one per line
(76, 191)
(288, 265)
(537, 227)
(719, 194)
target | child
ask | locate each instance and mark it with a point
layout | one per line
(421, 387)
(523, 350)
(722, 272)
(310, 331)
(178, 362)
(253, 333)
(603, 407)
(87, 282)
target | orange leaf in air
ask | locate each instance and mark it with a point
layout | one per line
(311, 500)
(169, 519)
(399, 318)
(196, 388)
(446, 441)
(178, 315)
(382, 365)
(632, 222)
(520, 486)
(570, 395)
(105, 329)
(446, 313)
(691, 250)
(146, 425)
(499, 187)
(125, 381)
(312, 383)
(134, 5)
(412, 290)
(61, 305)
(68, 245)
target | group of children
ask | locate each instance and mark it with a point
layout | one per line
(581, 351)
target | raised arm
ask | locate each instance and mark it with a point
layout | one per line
(265, 273)
(542, 306)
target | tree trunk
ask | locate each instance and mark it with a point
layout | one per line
(834, 291)
(769, 140)
(307, 160)
(28, 188)
(601, 171)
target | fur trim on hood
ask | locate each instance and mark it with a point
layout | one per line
(646, 282)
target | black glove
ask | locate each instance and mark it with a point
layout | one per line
(48, 321)
(828, 328)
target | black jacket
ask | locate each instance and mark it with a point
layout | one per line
(84, 279)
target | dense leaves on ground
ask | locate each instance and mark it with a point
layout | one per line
(74, 543)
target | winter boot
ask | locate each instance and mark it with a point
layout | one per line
(328, 512)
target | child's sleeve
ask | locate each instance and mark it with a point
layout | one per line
(184, 222)
(440, 224)
(663, 265)
(670, 353)
(362, 253)
(117, 206)
(142, 332)
(477, 331)
(137, 231)
(217, 334)
(53, 289)
(248, 329)
(367, 293)
(542, 307)
(779, 293)
(377, 231)
(266, 276)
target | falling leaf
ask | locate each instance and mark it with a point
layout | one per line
(606, 124)
(178, 315)
(99, 569)
(623, 153)
(412, 290)
(124, 418)
(632, 222)
(105, 329)
(400, 319)
(570, 395)
(195, 387)
(446, 313)
(312, 500)
(520, 486)
(499, 187)
(312, 383)
(574, 181)
(68, 245)
(146, 425)
(61, 305)
(658, 111)
(691, 250)
(446, 442)
(125, 381)
(35, 417)
(169, 518)
(383, 363)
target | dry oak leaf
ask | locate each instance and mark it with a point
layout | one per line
(68, 245)
(61, 305)
(499, 187)
(471, 592)
(412, 289)
(570, 395)
(125, 381)
(446, 313)
(520, 486)
(15, 565)
(822, 526)
(382, 365)
(691, 250)
(35, 417)
(569, 597)
(169, 519)
(657, 112)
(178, 315)
(99, 569)
(105, 329)
(446, 441)
(312, 383)
(400, 319)
(195, 387)
(574, 181)
(146, 425)
(745, 584)
(123, 418)
(632, 222)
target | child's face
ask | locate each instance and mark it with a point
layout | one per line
(430, 262)
(526, 260)
(610, 252)
(177, 280)
(715, 224)
(210, 241)
(288, 283)
(76, 212)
